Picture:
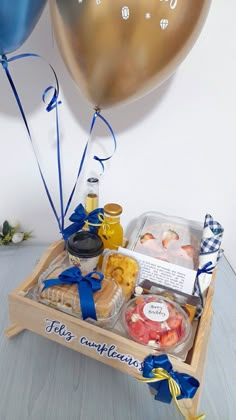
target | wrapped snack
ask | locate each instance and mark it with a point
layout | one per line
(211, 250)
(157, 322)
(210, 255)
(123, 269)
(65, 297)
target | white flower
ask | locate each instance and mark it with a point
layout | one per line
(13, 222)
(17, 237)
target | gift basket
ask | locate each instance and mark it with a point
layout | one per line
(141, 304)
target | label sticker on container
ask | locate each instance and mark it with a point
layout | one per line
(156, 311)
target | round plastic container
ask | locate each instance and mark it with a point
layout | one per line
(84, 249)
(157, 322)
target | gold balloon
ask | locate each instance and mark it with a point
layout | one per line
(118, 50)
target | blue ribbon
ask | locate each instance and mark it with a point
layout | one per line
(80, 217)
(53, 104)
(96, 115)
(87, 285)
(188, 384)
(207, 268)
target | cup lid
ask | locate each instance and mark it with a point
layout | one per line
(113, 209)
(85, 244)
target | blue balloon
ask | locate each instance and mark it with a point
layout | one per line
(17, 20)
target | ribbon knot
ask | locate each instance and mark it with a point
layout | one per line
(87, 285)
(207, 268)
(80, 218)
(168, 384)
(4, 61)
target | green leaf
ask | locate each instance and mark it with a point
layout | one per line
(6, 228)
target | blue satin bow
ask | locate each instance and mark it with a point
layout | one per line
(80, 217)
(87, 285)
(188, 385)
(208, 268)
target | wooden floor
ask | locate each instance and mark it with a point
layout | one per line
(41, 380)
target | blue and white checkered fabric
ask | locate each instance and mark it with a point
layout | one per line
(209, 245)
(213, 243)
(215, 226)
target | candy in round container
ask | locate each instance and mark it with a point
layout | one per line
(157, 322)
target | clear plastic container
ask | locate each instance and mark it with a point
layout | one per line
(167, 238)
(108, 300)
(121, 268)
(159, 323)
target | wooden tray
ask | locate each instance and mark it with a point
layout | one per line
(100, 344)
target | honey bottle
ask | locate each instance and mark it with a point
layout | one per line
(111, 231)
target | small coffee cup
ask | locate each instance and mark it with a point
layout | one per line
(84, 249)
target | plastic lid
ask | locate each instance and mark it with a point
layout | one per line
(157, 322)
(85, 244)
(113, 209)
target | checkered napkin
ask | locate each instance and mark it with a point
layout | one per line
(210, 253)
(212, 237)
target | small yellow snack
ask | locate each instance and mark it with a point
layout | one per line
(123, 269)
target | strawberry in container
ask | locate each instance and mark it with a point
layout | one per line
(157, 322)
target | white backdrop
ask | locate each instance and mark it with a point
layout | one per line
(175, 152)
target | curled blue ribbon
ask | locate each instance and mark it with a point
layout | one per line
(97, 114)
(80, 217)
(188, 384)
(53, 104)
(87, 285)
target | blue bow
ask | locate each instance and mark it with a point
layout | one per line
(86, 286)
(80, 217)
(208, 268)
(187, 384)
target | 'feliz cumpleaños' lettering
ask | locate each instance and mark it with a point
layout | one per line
(103, 349)
(111, 352)
(56, 327)
(172, 3)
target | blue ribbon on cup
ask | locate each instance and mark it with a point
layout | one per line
(168, 384)
(87, 285)
(80, 218)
